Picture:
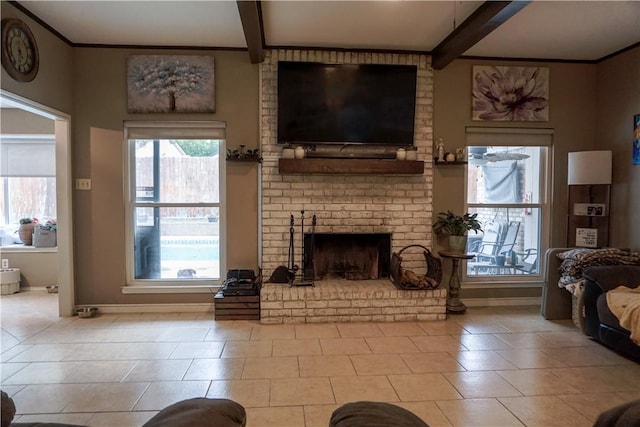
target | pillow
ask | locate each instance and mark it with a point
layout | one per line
(374, 414)
(8, 408)
(200, 412)
(624, 415)
(574, 253)
(576, 260)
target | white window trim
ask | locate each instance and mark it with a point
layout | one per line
(170, 289)
(503, 136)
(172, 130)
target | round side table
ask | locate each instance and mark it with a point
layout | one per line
(454, 305)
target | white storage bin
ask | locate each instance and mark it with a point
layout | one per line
(45, 237)
(10, 280)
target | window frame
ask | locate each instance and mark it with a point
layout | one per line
(26, 156)
(524, 137)
(135, 130)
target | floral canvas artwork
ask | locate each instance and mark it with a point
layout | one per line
(170, 84)
(636, 140)
(510, 94)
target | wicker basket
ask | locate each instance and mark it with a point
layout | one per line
(577, 312)
(406, 279)
(25, 233)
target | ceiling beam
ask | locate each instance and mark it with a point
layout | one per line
(251, 17)
(486, 18)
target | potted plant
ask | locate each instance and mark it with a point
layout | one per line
(456, 226)
(25, 232)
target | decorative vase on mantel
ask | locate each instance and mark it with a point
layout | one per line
(288, 153)
(458, 244)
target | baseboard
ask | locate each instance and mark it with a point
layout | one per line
(32, 288)
(497, 302)
(209, 307)
(153, 308)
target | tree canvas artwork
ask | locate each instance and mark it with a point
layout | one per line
(170, 84)
(517, 94)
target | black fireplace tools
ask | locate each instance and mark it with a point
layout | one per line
(292, 273)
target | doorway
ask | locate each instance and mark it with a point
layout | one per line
(65, 278)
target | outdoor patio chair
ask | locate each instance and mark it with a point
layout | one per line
(493, 235)
(527, 261)
(486, 256)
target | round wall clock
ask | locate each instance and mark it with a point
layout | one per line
(19, 50)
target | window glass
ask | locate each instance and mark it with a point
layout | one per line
(186, 172)
(27, 182)
(498, 175)
(505, 188)
(177, 243)
(174, 209)
(509, 243)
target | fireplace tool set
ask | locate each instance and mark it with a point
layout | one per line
(304, 276)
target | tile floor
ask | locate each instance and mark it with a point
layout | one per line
(490, 367)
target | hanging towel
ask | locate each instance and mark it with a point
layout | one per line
(501, 182)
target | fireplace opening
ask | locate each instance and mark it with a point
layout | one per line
(351, 256)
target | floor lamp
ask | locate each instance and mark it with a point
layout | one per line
(589, 180)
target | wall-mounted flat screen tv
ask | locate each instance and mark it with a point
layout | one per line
(346, 104)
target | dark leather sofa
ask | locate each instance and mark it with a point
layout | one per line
(599, 322)
(205, 412)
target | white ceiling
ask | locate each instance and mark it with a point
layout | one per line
(563, 30)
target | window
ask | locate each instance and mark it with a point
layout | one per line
(175, 203)
(28, 177)
(507, 186)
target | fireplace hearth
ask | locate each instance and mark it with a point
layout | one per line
(351, 256)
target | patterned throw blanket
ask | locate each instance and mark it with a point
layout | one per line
(624, 303)
(574, 261)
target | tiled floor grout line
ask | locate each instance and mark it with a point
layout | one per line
(486, 348)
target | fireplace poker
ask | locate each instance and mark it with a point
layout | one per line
(302, 277)
(302, 281)
(311, 273)
(292, 268)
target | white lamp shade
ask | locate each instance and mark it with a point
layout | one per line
(590, 167)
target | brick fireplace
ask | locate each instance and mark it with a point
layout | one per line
(397, 206)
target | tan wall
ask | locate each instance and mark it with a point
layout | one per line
(37, 269)
(53, 85)
(618, 99)
(591, 107)
(572, 116)
(16, 121)
(100, 109)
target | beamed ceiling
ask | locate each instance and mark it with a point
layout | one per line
(538, 30)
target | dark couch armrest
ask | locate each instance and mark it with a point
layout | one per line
(608, 277)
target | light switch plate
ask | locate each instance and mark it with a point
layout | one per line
(83, 184)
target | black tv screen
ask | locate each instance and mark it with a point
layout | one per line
(346, 104)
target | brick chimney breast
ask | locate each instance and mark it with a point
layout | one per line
(400, 205)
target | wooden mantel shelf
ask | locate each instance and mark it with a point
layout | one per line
(350, 166)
